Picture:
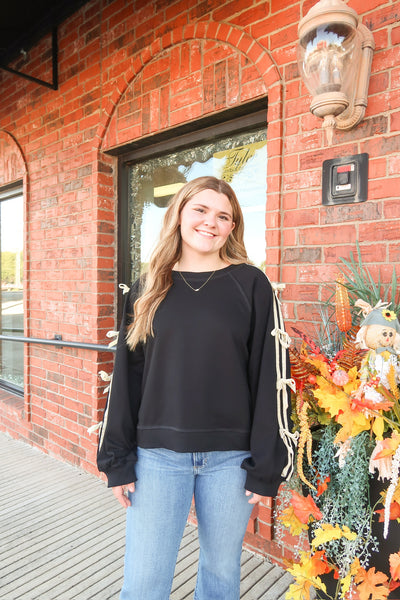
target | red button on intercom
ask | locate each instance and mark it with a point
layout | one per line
(344, 168)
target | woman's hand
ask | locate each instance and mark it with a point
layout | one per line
(254, 497)
(119, 492)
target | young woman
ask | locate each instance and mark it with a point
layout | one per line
(198, 405)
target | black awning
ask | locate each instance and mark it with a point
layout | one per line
(24, 22)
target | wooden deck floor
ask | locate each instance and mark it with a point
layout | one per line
(62, 537)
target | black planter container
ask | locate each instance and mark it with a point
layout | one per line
(330, 583)
(379, 559)
(388, 546)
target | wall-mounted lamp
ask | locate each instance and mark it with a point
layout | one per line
(335, 55)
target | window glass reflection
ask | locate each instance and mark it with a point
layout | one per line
(241, 160)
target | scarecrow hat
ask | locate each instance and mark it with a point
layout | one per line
(379, 315)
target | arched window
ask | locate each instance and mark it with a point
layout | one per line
(234, 149)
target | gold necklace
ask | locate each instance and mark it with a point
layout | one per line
(199, 288)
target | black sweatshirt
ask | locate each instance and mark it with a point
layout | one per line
(210, 379)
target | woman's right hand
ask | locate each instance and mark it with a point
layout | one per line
(120, 492)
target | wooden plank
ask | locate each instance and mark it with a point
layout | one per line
(277, 586)
(254, 584)
(62, 537)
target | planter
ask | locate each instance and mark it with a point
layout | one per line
(391, 545)
(331, 584)
(379, 559)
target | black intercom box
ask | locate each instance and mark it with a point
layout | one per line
(345, 180)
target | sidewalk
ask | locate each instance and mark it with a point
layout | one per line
(62, 536)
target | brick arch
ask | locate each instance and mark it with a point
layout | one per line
(262, 74)
(12, 162)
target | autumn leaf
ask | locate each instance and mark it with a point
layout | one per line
(393, 585)
(382, 405)
(355, 566)
(378, 427)
(353, 423)
(347, 581)
(306, 575)
(303, 507)
(311, 565)
(323, 485)
(319, 364)
(327, 533)
(300, 590)
(363, 403)
(371, 584)
(394, 561)
(314, 564)
(394, 512)
(331, 399)
(388, 446)
(338, 402)
(293, 523)
(354, 382)
(381, 460)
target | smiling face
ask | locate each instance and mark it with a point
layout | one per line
(379, 336)
(205, 224)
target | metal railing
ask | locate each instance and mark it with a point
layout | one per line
(57, 342)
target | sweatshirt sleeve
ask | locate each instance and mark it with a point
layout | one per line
(116, 455)
(271, 442)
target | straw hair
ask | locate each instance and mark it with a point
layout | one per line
(158, 280)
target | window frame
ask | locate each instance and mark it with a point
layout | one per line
(7, 192)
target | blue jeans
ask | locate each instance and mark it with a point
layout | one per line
(166, 484)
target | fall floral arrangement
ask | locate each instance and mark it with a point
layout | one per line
(347, 413)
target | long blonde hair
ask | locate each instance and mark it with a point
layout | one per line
(167, 253)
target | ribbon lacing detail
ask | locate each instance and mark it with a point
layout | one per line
(283, 336)
(281, 383)
(94, 428)
(290, 441)
(282, 342)
(103, 374)
(278, 287)
(125, 289)
(105, 377)
(112, 334)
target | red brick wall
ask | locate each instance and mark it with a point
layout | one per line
(130, 69)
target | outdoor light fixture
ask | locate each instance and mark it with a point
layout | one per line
(335, 54)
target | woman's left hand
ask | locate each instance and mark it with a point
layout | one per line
(254, 497)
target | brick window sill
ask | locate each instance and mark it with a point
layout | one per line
(11, 403)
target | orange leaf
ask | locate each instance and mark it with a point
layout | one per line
(394, 561)
(323, 485)
(388, 446)
(394, 512)
(393, 585)
(372, 585)
(323, 566)
(304, 507)
(364, 403)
